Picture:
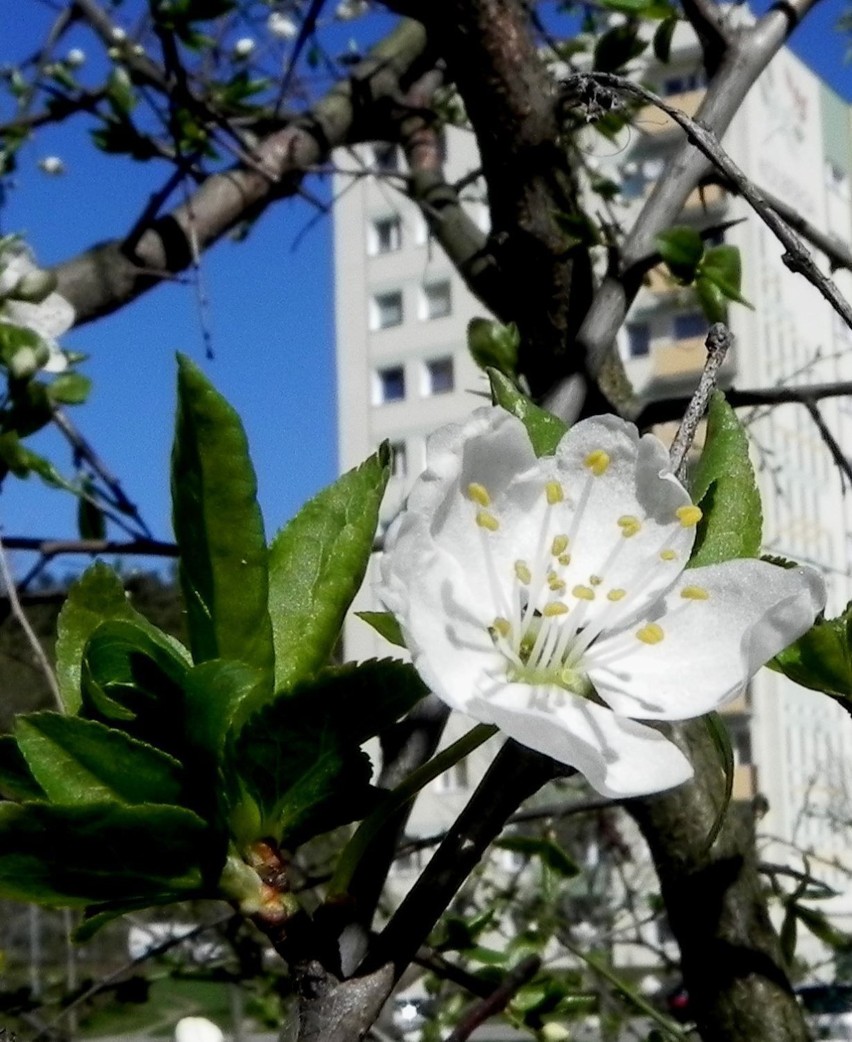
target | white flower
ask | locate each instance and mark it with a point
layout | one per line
(118, 34)
(75, 58)
(244, 47)
(348, 9)
(52, 165)
(281, 27)
(548, 596)
(49, 317)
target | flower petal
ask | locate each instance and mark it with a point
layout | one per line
(619, 757)
(710, 646)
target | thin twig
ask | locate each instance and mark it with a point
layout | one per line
(29, 632)
(497, 1001)
(717, 343)
(55, 547)
(837, 454)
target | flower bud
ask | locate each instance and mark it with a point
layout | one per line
(75, 58)
(34, 287)
(27, 361)
(554, 1033)
(52, 165)
(244, 47)
(281, 27)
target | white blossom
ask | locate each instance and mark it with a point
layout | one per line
(282, 27)
(52, 165)
(49, 315)
(244, 47)
(349, 9)
(550, 597)
(75, 58)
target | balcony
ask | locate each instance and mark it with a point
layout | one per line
(650, 120)
(745, 782)
(680, 358)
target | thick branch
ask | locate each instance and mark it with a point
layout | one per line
(109, 275)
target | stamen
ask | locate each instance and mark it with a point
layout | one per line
(629, 525)
(523, 572)
(502, 626)
(486, 520)
(554, 492)
(597, 462)
(695, 593)
(554, 608)
(650, 634)
(668, 555)
(479, 494)
(584, 593)
(559, 545)
(555, 583)
(564, 560)
(616, 595)
(688, 515)
(595, 580)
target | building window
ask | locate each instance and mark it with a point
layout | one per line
(455, 779)
(439, 377)
(386, 235)
(388, 385)
(386, 157)
(684, 82)
(437, 300)
(386, 310)
(687, 327)
(638, 340)
(399, 455)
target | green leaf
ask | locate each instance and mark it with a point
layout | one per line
(653, 9)
(662, 42)
(217, 522)
(493, 345)
(723, 485)
(316, 565)
(91, 521)
(711, 299)
(545, 429)
(718, 732)
(96, 596)
(618, 46)
(682, 249)
(220, 696)
(16, 779)
(549, 853)
(71, 856)
(384, 623)
(821, 659)
(300, 757)
(80, 761)
(119, 91)
(821, 928)
(70, 388)
(721, 266)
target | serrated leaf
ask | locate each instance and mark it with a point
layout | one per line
(96, 596)
(549, 853)
(220, 697)
(723, 485)
(300, 758)
(219, 529)
(78, 761)
(544, 429)
(493, 345)
(821, 659)
(16, 779)
(682, 249)
(384, 623)
(316, 565)
(73, 856)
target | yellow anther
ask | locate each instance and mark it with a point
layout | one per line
(616, 595)
(595, 580)
(554, 608)
(564, 560)
(501, 626)
(554, 492)
(479, 494)
(695, 593)
(555, 583)
(668, 555)
(559, 545)
(650, 634)
(688, 515)
(486, 520)
(523, 573)
(597, 462)
(629, 525)
(584, 593)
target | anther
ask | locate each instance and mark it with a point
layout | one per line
(688, 515)
(695, 593)
(616, 595)
(501, 626)
(479, 494)
(668, 555)
(559, 545)
(554, 608)
(564, 560)
(597, 462)
(486, 520)
(584, 593)
(523, 573)
(555, 583)
(650, 634)
(595, 580)
(554, 492)
(629, 525)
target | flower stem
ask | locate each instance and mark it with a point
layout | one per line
(397, 799)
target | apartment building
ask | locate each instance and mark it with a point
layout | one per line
(403, 370)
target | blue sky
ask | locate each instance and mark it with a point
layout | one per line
(270, 315)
